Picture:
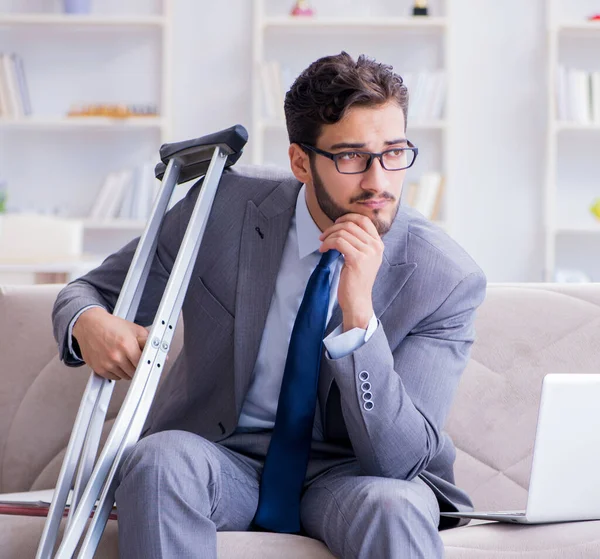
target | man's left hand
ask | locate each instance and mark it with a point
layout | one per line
(355, 236)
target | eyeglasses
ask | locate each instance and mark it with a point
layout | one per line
(355, 162)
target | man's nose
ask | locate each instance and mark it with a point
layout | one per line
(375, 178)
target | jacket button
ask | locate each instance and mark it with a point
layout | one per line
(368, 406)
(363, 375)
(367, 396)
(365, 386)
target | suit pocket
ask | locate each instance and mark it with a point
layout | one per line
(211, 305)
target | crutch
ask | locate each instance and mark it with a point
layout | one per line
(180, 162)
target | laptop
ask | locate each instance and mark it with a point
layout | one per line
(563, 484)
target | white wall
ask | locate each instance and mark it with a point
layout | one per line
(498, 138)
(497, 141)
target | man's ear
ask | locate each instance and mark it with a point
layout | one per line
(299, 163)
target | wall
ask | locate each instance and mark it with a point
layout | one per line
(498, 106)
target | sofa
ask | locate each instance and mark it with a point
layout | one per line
(523, 332)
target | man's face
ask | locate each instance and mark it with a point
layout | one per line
(374, 193)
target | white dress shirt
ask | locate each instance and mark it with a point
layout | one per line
(300, 257)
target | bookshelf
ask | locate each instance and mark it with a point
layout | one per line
(388, 34)
(571, 232)
(56, 164)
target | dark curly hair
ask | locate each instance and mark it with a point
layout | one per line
(323, 93)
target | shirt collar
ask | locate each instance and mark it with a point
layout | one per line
(306, 229)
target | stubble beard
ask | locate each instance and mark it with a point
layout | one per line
(333, 211)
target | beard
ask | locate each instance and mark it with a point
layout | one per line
(333, 211)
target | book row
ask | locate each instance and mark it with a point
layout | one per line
(427, 91)
(126, 194)
(15, 101)
(578, 95)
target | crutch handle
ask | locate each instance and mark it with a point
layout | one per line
(195, 155)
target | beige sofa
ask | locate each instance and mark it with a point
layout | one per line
(523, 332)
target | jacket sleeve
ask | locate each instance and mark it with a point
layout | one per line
(395, 402)
(102, 285)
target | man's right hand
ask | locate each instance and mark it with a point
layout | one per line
(110, 345)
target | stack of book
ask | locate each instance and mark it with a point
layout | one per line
(425, 196)
(578, 95)
(126, 194)
(36, 503)
(427, 94)
(14, 95)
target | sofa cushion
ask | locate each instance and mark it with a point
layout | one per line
(39, 395)
(490, 540)
(493, 540)
(19, 537)
(523, 332)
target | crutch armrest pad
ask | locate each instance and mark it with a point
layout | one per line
(195, 155)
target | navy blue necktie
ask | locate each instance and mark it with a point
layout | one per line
(285, 465)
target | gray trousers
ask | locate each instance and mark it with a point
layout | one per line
(176, 490)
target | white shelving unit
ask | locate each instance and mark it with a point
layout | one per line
(90, 20)
(572, 234)
(374, 32)
(51, 161)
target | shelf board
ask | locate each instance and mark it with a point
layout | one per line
(366, 22)
(83, 20)
(71, 123)
(579, 27)
(566, 125)
(114, 224)
(579, 229)
(276, 124)
(49, 265)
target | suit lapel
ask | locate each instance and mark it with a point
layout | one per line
(264, 235)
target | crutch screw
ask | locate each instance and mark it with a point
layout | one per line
(155, 342)
(165, 346)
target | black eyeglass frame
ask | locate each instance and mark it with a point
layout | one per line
(334, 156)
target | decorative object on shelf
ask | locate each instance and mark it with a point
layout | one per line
(302, 8)
(112, 110)
(595, 208)
(420, 8)
(78, 6)
(3, 196)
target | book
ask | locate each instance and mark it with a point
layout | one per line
(102, 202)
(120, 185)
(410, 195)
(435, 212)
(22, 82)
(36, 503)
(428, 194)
(578, 96)
(595, 94)
(427, 94)
(4, 93)
(14, 93)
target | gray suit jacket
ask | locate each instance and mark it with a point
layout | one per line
(425, 296)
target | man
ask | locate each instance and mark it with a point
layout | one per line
(326, 329)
